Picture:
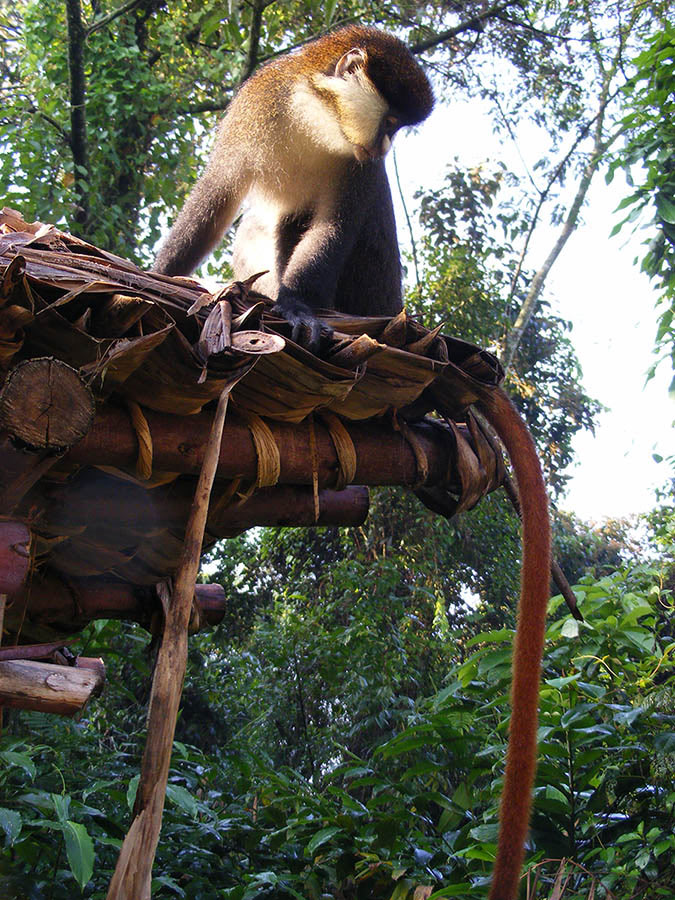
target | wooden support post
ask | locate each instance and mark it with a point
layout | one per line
(132, 877)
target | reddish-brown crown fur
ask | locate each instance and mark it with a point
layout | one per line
(389, 64)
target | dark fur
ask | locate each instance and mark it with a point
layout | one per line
(351, 265)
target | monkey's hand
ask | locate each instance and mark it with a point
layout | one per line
(306, 328)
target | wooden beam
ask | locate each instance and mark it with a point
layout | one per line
(69, 604)
(384, 456)
(79, 503)
(64, 690)
(31, 651)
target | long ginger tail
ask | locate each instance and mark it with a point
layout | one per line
(528, 647)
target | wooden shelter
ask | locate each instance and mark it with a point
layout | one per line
(107, 389)
(143, 418)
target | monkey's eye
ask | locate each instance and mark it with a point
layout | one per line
(391, 123)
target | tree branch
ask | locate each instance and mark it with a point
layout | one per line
(253, 40)
(222, 104)
(600, 147)
(115, 14)
(543, 194)
(529, 304)
(473, 24)
(408, 222)
(540, 33)
(196, 109)
(303, 715)
(62, 132)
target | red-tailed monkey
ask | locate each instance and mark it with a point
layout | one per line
(303, 141)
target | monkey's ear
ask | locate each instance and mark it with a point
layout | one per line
(351, 61)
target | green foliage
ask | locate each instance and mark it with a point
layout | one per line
(471, 266)
(416, 806)
(650, 150)
(431, 564)
(420, 807)
(596, 550)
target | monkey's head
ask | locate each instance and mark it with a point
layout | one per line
(372, 86)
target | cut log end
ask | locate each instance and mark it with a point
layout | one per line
(45, 404)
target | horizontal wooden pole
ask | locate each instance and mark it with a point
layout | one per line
(92, 663)
(14, 556)
(292, 505)
(212, 602)
(33, 651)
(68, 603)
(73, 602)
(80, 502)
(44, 687)
(384, 456)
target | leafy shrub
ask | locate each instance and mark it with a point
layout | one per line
(414, 818)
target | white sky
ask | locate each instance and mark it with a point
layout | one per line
(595, 285)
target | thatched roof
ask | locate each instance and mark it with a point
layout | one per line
(105, 482)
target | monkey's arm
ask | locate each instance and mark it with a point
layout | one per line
(208, 212)
(310, 277)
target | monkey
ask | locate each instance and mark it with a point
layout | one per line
(304, 141)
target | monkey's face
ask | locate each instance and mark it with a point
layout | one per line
(363, 124)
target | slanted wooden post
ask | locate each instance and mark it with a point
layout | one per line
(132, 877)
